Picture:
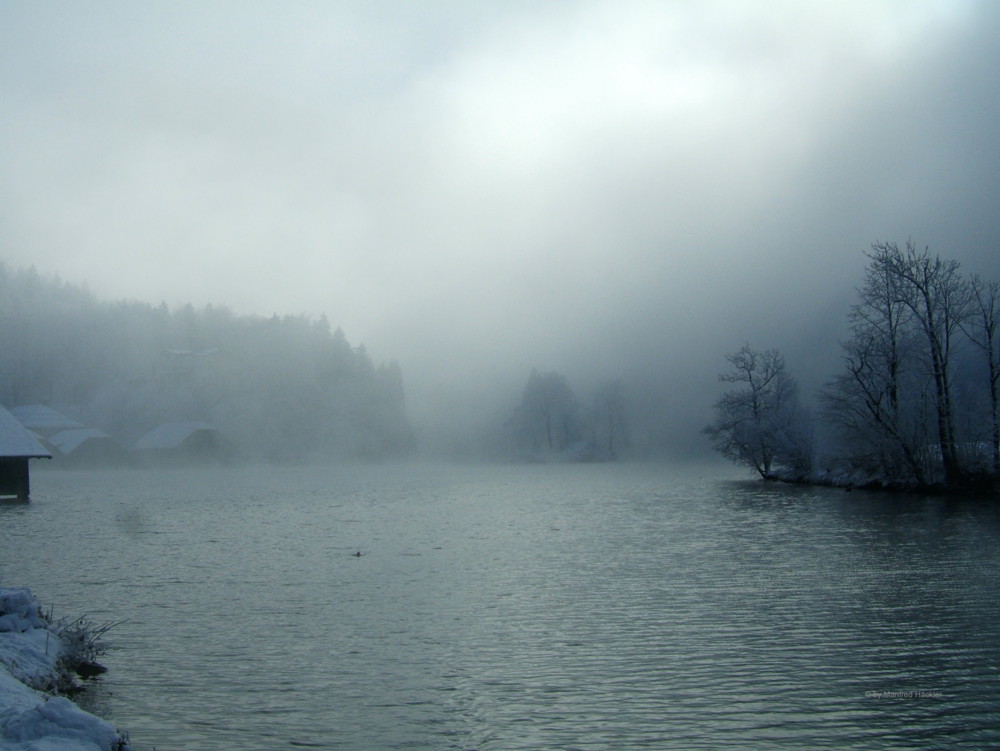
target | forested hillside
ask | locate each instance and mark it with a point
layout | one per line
(280, 387)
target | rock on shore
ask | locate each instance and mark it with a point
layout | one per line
(33, 660)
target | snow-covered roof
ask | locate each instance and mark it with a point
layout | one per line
(42, 417)
(170, 435)
(16, 440)
(67, 441)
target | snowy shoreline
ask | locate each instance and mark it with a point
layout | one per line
(37, 661)
(982, 486)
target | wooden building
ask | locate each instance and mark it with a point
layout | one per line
(42, 420)
(86, 447)
(17, 446)
(181, 441)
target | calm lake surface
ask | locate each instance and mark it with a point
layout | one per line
(519, 607)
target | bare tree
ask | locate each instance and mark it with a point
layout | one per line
(936, 295)
(546, 420)
(983, 330)
(760, 424)
(609, 418)
(878, 402)
(879, 413)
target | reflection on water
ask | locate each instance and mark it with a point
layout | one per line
(587, 607)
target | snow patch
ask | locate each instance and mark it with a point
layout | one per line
(29, 659)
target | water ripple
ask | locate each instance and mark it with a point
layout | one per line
(523, 608)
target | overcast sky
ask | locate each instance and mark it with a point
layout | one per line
(477, 188)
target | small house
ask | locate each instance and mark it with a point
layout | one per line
(184, 441)
(17, 446)
(86, 446)
(43, 420)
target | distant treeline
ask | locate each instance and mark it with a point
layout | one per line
(551, 424)
(917, 403)
(280, 387)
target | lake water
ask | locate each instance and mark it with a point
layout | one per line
(519, 607)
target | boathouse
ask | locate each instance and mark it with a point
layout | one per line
(86, 447)
(181, 441)
(17, 446)
(42, 420)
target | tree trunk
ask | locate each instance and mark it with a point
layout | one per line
(995, 408)
(945, 420)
